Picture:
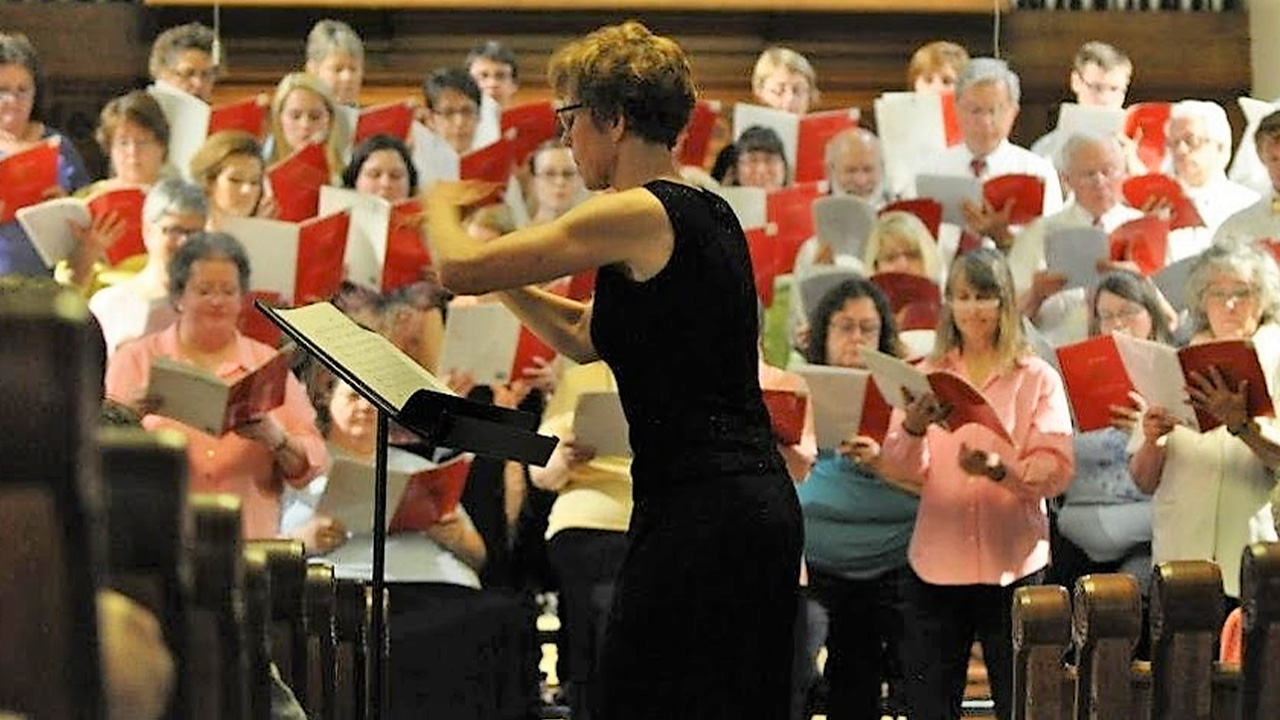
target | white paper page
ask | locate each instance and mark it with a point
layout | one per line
(748, 203)
(911, 132)
(1075, 252)
(893, 375)
(1089, 120)
(786, 124)
(188, 118)
(480, 339)
(272, 246)
(838, 396)
(187, 394)
(350, 117)
(820, 281)
(383, 367)
(348, 493)
(844, 222)
(366, 235)
(599, 422)
(432, 156)
(46, 225)
(1246, 168)
(1156, 374)
(489, 127)
(951, 191)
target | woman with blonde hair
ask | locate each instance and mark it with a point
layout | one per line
(900, 242)
(304, 111)
(229, 167)
(784, 79)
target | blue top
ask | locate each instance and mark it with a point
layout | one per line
(17, 255)
(1104, 512)
(855, 524)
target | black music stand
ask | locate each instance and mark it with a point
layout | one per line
(382, 374)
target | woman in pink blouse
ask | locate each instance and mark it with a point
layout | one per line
(981, 530)
(207, 279)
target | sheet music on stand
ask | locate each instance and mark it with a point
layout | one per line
(402, 390)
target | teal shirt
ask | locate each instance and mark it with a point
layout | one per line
(855, 524)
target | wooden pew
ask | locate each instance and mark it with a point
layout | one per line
(217, 665)
(322, 667)
(50, 394)
(145, 485)
(353, 627)
(258, 635)
(1186, 617)
(287, 566)
(1108, 622)
(1041, 634)
(1260, 598)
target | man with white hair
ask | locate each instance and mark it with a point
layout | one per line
(1199, 140)
(1261, 220)
(1094, 170)
(987, 96)
(855, 166)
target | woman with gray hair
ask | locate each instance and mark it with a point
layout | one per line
(335, 54)
(173, 211)
(1211, 489)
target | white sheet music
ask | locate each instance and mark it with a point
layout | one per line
(838, 395)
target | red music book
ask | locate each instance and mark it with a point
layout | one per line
(950, 122)
(1144, 189)
(127, 203)
(296, 181)
(786, 414)
(300, 263)
(528, 126)
(1026, 192)
(791, 209)
(391, 118)
(26, 176)
(1143, 240)
(902, 289)
(407, 258)
(430, 495)
(1095, 379)
(1145, 122)
(772, 254)
(929, 211)
(247, 115)
(698, 131)
(968, 405)
(491, 163)
(816, 129)
(256, 325)
(488, 341)
(846, 402)
(199, 398)
(582, 285)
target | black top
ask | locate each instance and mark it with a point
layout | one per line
(684, 348)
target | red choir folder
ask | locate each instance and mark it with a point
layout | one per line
(529, 347)
(1142, 190)
(811, 141)
(1099, 373)
(1026, 192)
(968, 405)
(393, 118)
(301, 263)
(1143, 240)
(950, 121)
(407, 258)
(1145, 123)
(528, 126)
(127, 203)
(254, 324)
(26, 176)
(582, 285)
(911, 297)
(929, 211)
(194, 396)
(321, 245)
(698, 131)
(296, 181)
(791, 209)
(1095, 379)
(846, 402)
(786, 414)
(247, 115)
(772, 254)
(430, 495)
(491, 163)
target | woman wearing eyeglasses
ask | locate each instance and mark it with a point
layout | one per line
(702, 620)
(1104, 521)
(21, 100)
(982, 529)
(1211, 490)
(557, 186)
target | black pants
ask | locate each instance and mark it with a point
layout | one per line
(585, 564)
(864, 640)
(942, 621)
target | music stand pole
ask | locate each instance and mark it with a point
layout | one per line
(378, 643)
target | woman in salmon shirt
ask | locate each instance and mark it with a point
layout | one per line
(208, 276)
(982, 528)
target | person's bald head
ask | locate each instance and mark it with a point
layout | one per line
(854, 163)
(1093, 167)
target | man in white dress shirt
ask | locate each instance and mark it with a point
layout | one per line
(1100, 76)
(1094, 170)
(1199, 138)
(1261, 220)
(987, 95)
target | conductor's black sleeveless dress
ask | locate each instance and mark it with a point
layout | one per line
(704, 609)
